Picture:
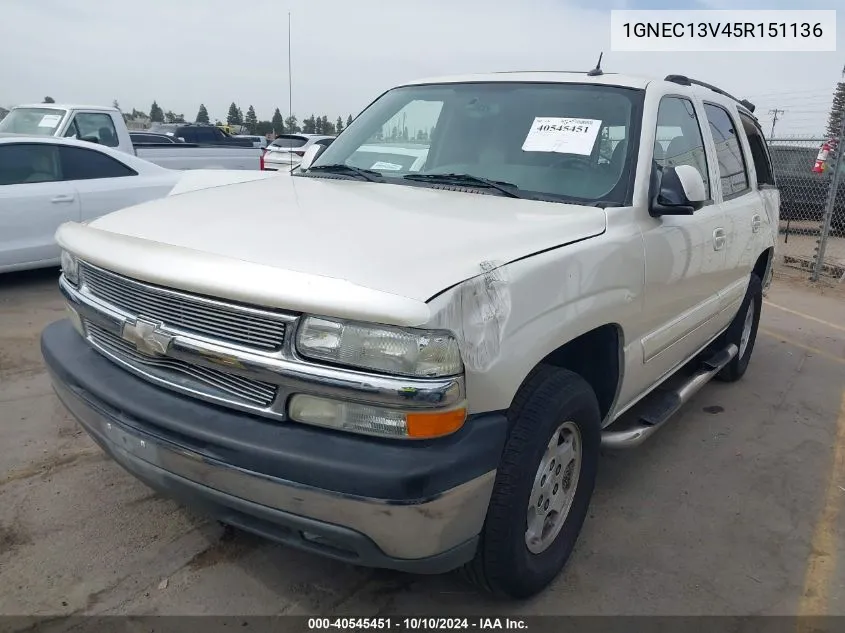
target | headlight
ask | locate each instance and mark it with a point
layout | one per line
(370, 420)
(70, 267)
(382, 348)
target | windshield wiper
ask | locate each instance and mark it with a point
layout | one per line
(507, 188)
(341, 168)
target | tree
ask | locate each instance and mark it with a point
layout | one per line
(156, 113)
(234, 116)
(264, 128)
(49, 100)
(292, 125)
(202, 114)
(349, 120)
(309, 125)
(251, 120)
(278, 122)
(837, 109)
(338, 126)
(327, 126)
(171, 117)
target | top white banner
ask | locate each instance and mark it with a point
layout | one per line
(720, 31)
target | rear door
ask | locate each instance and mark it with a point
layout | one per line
(764, 181)
(740, 201)
(102, 183)
(34, 201)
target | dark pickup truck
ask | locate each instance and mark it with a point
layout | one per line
(200, 134)
(803, 193)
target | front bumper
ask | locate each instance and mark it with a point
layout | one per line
(415, 507)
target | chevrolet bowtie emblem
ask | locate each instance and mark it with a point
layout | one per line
(147, 337)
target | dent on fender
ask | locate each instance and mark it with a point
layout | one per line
(477, 313)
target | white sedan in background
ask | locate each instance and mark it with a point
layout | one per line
(45, 181)
(287, 150)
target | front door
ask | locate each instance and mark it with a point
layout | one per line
(34, 201)
(685, 255)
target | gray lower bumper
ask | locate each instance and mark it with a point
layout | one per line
(430, 536)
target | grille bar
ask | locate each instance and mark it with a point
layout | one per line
(248, 391)
(242, 326)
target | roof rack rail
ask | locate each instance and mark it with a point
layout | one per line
(686, 81)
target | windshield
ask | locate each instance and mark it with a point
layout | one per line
(32, 121)
(568, 142)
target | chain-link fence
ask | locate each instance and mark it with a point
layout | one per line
(804, 196)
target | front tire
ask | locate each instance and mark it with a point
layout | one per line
(543, 487)
(742, 331)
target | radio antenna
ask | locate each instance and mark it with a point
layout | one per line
(290, 78)
(597, 71)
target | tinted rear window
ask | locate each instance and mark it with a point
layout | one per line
(289, 141)
(84, 164)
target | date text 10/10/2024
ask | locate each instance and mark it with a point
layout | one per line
(412, 624)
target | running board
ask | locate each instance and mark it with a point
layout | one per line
(655, 415)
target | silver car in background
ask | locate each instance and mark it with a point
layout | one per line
(288, 149)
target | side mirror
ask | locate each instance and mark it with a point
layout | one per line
(311, 154)
(681, 191)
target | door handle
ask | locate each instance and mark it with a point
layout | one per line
(756, 222)
(62, 198)
(719, 239)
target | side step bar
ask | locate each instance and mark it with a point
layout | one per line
(658, 414)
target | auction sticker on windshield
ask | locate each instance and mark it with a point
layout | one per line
(50, 120)
(561, 135)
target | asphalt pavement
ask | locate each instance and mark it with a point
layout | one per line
(736, 507)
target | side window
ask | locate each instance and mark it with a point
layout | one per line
(85, 164)
(188, 134)
(72, 131)
(679, 140)
(205, 135)
(96, 125)
(759, 151)
(29, 163)
(732, 170)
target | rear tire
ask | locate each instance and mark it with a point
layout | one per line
(552, 449)
(742, 331)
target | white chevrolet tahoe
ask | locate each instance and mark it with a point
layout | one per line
(414, 364)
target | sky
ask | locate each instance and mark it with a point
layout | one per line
(186, 52)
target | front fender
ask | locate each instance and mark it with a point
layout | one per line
(535, 306)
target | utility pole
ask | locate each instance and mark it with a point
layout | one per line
(836, 166)
(775, 112)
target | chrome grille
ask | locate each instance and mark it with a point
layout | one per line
(177, 372)
(245, 326)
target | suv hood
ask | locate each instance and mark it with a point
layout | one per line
(410, 242)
